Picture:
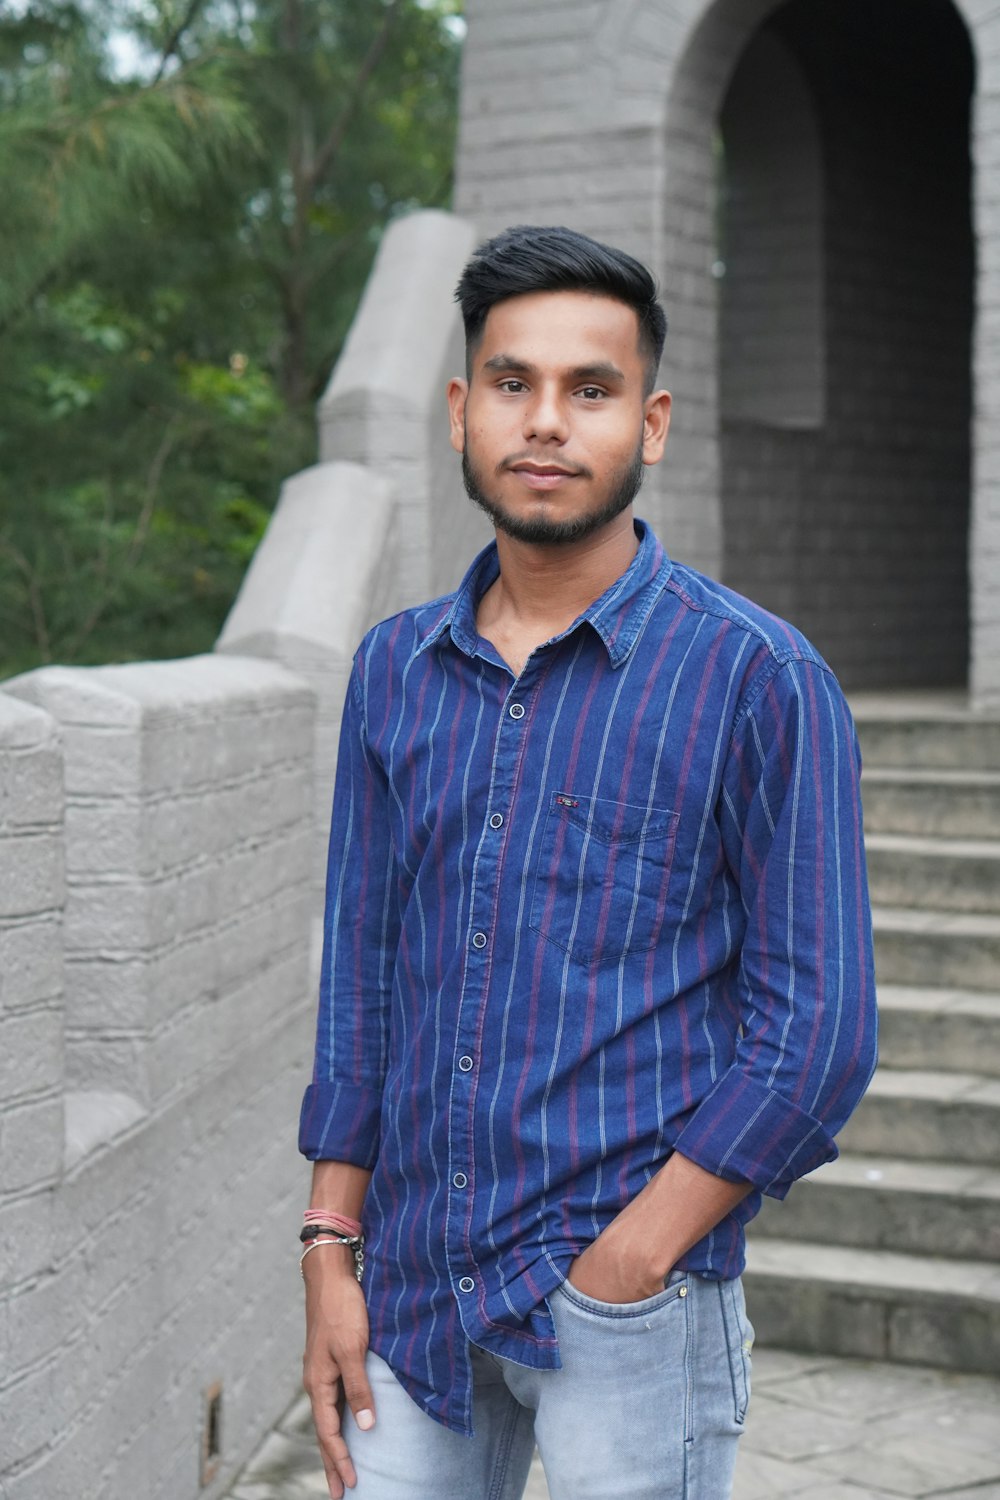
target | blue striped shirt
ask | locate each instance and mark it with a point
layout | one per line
(576, 920)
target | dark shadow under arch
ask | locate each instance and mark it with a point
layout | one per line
(854, 522)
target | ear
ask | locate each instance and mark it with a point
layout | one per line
(655, 426)
(458, 391)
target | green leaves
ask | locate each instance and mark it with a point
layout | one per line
(192, 197)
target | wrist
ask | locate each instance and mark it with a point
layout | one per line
(640, 1241)
(329, 1260)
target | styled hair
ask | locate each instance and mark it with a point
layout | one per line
(534, 258)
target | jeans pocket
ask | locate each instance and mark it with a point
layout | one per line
(675, 1289)
(739, 1342)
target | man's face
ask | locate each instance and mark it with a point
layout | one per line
(553, 426)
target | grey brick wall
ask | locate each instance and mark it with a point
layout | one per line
(150, 1184)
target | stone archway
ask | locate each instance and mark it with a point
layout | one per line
(845, 331)
(606, 117)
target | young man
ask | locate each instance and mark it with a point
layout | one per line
(598, 962)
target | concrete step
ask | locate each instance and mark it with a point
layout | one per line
(875, 1304)
(940, 948)
(949, 804)
(958, 1031)
(948, 874)
(882, 1203)
(925, 731)
(932, 1116)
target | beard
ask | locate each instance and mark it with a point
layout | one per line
(540, 530)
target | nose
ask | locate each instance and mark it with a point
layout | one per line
(546, 417)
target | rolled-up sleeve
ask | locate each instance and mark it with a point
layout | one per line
(341, 1108)
(792, 832)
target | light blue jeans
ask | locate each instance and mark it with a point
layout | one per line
(649, 1405)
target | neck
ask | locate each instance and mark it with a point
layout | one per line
(549, 586)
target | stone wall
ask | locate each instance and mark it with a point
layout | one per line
(155, 1020)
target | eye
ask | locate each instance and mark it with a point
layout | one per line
(512, 386)
(592, 392)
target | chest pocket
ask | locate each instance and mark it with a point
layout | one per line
(600, 881)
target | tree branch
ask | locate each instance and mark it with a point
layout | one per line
(176, 36)
(42, 638)
(328, 150)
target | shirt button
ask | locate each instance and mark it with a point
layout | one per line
(465, 1063)
(460, 1180)
(497, 820)
(466, 1284)
(516, 710)
(479, 940)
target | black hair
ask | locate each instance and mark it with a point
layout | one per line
(533, 258)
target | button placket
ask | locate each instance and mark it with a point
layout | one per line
(508, 750)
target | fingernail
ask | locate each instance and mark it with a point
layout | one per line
(365, 1419)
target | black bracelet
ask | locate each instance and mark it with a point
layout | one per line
(312, 1230)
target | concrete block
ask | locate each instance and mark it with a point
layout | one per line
(31, 1144)
(885, 1203)
(403, 323)
(914, 947)
(25, 1236)
(31, 872)
(950, 1117)
(44, 1314)
(958, 1031)
(30, 961)
(31, 1052)
(305, 594)
(957, 804)
(31, 1421)
(31, 773)
(943, 874)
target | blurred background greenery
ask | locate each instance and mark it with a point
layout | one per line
(191, 194)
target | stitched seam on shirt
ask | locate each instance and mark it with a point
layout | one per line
(783, 653)
(776, 668)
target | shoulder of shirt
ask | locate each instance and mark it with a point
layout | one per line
(781, 642)
(409, 627)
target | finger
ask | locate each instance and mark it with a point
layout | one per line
(355, 1386)
(337, 1464)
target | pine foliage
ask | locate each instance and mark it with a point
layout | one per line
(183, 240)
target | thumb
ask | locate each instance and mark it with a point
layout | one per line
(357, 1391)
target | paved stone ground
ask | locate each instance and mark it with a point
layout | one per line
(818, 1429)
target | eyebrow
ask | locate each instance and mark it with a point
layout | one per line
(601, 370)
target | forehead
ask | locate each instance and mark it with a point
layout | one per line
(564, 329)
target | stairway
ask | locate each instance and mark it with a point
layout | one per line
(893, 1251)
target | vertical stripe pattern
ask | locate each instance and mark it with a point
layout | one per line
(575, 921)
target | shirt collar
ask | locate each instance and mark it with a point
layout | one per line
(618, 615)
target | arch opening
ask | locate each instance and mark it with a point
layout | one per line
(845, 332)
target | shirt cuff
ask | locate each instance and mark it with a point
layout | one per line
(744, 1131)
(340, 1122)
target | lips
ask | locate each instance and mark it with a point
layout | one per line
(542, 476)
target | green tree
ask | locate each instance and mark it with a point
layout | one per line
(183, 245)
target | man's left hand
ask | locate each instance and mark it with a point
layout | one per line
(608, 1271)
